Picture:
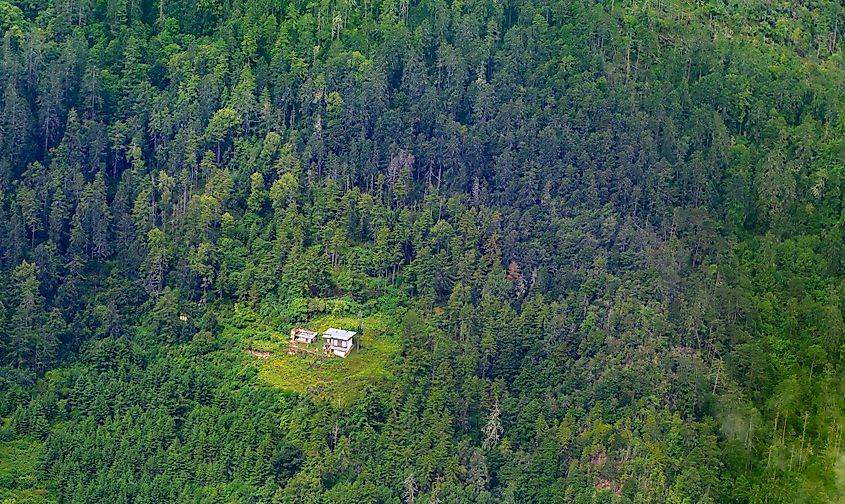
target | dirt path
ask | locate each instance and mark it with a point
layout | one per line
(297, 350)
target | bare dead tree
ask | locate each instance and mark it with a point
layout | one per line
(493, 428)
(411, 488)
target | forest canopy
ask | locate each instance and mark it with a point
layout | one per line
(593, 251)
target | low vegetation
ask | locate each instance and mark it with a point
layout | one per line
(327, 378)
(18, 469)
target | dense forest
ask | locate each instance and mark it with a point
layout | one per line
(606, 236)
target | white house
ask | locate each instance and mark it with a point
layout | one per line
(338, 341)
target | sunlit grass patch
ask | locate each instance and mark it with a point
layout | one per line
(327, 378)
(18, 481)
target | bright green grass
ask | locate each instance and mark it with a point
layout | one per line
(335, 380)
(18, 483)
(839, 470)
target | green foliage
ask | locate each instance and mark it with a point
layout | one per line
(595, 249)
(18, 469)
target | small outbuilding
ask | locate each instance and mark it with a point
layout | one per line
(300, 335)
(338, 341)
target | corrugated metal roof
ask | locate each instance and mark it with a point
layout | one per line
(340, 334)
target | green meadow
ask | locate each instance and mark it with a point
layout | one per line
(326, 378)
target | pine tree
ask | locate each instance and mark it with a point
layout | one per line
(154, 267)
(28, 316)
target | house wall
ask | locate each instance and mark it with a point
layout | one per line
(339, 347)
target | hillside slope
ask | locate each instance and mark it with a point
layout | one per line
(602, 242)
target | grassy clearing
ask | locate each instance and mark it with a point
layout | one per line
(18, 483)
(334, 380)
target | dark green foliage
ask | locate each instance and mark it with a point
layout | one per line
(612, 232)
